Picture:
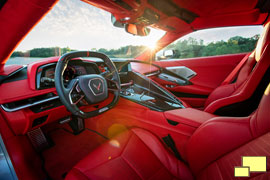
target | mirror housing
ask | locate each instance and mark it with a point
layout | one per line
(167, 54)
(116, 23)
(137, 30)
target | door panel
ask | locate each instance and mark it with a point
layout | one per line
(210, 72)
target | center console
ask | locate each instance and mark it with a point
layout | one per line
(142, 90)
(188, 116)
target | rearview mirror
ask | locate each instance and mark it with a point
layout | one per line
(137, 30)
(116, 23)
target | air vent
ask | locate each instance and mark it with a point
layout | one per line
(26, 103)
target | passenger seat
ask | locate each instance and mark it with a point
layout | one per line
(242, 95)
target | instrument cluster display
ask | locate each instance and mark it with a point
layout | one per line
(46, 73)
(70, 72)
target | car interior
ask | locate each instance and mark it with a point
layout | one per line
(83, 115)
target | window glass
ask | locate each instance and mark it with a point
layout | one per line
(213, 42)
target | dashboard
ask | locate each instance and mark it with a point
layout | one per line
(45, 73)
(29, 97)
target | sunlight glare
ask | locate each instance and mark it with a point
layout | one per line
(151, 40)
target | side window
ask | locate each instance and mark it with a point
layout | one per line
(212, 42)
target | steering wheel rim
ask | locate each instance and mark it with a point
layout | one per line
(64, 93)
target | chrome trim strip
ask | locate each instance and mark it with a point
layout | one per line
(127, 84)
(152, 74)
(28, 105)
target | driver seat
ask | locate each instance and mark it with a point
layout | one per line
(212, 151)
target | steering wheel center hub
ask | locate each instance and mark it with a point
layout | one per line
(97, 86)
(94, 87)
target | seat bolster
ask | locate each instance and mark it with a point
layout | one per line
(260, 123)
(219, 93)
(215, 105)
(176, 167)
(215, 138)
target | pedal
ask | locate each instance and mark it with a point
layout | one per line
(38, 139)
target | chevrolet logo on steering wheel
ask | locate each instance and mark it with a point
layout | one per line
(96, 85)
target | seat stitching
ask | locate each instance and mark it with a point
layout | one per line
(200, 171)
(80, 172)
(223, 155)
(128, 163)
(110, 159)
(157, 156)
(126, 144)
(219, 171)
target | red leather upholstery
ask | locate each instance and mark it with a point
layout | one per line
(231, 137)
(135, 154)
(213, 151)
(223, 168)
(247, 80)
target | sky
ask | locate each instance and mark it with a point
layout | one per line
(77, 25)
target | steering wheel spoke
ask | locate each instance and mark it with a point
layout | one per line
(74, 92)
(112, 85)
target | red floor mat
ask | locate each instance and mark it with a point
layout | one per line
(68, 150)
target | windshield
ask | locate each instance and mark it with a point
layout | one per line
(75, 25)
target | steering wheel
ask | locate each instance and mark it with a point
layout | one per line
(93, 88)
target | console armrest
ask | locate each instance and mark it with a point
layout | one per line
(189, 116)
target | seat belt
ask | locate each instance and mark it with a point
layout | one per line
(235, 71)
(171, 144)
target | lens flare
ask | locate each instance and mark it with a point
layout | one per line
(114, 143)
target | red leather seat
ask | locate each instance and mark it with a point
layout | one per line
(248, 79)
(212, 151)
